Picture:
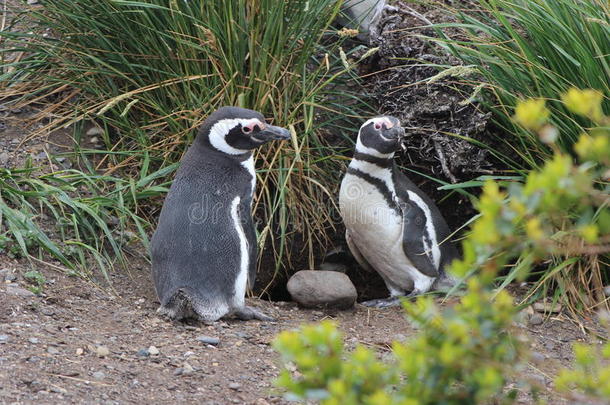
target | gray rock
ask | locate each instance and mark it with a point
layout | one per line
(536, 319)
(547, 307)
(15, 290)
(33, 340)
(208, 340)
(4, 339)
(143, 353)
(4, 158)
(322, 289)
(234, 386)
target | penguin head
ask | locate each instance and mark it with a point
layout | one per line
(380, 136)
(235, 131)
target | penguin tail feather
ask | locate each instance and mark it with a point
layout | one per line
(184, 304)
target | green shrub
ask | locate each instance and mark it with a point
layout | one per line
(590, 375)
(36, 280)
(152, 70)
(536, 49)
(461, 356)
(466, 354)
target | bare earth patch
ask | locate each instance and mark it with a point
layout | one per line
(78, 343)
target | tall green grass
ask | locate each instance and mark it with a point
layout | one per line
(151, 71)
(535, 49)
(91, 216)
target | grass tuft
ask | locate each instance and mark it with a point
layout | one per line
(150, 71)
(535, 49)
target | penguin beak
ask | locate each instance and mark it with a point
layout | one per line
(274, 133)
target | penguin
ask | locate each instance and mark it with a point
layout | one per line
(392, 227)
(204, 248)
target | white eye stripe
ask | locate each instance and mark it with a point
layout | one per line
(219, 131)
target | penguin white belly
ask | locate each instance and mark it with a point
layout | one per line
(377, 230)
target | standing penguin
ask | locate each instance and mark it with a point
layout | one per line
(204, 248)
(392, 227)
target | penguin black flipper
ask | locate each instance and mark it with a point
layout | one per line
(431, 231)
(415, 240)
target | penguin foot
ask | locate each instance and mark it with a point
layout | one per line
(247, 313)
(382, 302)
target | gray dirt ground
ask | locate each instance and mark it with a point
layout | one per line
(53, 346)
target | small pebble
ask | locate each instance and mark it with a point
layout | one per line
(234, 386)
(98, 375)
(102, 351)
(3, 338)
(143, 353)
(47, 311)
(208, 340)
(153, 351)
(536, 319)
(58, 390)
(188, 354)
(184, 370)
(243, 335)
(52, 350)
(79, 351)
(33, 340)
(95, 130)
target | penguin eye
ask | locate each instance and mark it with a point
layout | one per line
(246, 130)
(377, 126)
